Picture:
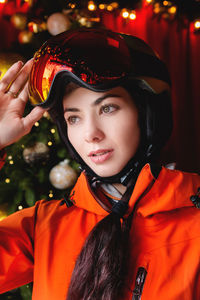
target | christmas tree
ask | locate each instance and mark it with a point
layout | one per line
(36, 168)
(25, 176)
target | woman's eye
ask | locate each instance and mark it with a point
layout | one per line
(108, 108)
(72, 120)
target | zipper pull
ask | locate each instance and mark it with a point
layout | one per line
(139, 283)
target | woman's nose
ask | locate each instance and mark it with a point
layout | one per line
(93, 133)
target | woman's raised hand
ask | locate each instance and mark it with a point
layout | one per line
(13, 99)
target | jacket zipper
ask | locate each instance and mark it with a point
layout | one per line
(139, 283)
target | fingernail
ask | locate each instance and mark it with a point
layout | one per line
(20, 62)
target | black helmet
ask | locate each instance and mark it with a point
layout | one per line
(100, 59)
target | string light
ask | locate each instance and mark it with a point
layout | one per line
(20, 207)
(7, 180)
(110, 7)
(156, 8)
(11, 162)
(2, 1)
(10, 157)
(36, 124)
(91, 6)
(125, 13)
(132, 15)
(148, 1)
(73, 5)
(53, 130)
(102, 6)
(50, 143)
(172, 10)
(50, 194)
(197, 24)
(46, 115)
(115, 5)
(165, 3)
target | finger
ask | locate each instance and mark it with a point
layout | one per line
(22, 99)
(23, 95)
(32, 117)
(10, 75)
(21, 78)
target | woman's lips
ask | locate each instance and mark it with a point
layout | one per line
(100, 155)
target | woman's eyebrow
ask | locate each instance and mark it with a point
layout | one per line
(100, 99)
(71, 109)
(96, 102)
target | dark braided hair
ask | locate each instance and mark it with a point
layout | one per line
(101, 266)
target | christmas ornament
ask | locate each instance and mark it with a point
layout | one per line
(19, 20)
(57, 23)
(37, 26)
(7, 60)
(62, 176)
(38, 153)
(25, 37)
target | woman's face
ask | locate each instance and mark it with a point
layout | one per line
(103, 128)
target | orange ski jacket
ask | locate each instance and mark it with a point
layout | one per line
(41, 243)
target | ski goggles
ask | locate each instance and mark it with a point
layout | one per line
(92, 58)
(97, 59)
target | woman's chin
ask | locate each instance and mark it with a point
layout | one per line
(106, 173)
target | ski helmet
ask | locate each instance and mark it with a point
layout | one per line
(100, 59)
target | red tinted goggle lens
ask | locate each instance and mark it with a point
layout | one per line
(94, 57)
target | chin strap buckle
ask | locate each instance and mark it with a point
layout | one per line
(126, 178)
(196, 198)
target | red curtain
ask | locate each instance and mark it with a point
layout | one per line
(179, 47)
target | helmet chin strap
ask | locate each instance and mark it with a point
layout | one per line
(130, 170)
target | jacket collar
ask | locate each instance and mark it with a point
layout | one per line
(170, 191)
(83, 196)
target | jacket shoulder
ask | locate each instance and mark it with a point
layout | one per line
(182, 180)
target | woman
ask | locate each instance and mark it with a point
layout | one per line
(129, 229)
